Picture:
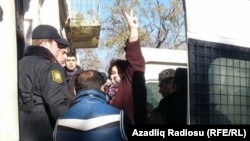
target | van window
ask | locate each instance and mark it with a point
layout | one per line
(153, 95)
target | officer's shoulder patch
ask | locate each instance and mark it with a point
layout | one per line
(57, 76)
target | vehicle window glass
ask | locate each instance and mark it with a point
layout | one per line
(229, 89)
(153, 95)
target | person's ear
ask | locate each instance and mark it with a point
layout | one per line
(103, 87)
(45, 43)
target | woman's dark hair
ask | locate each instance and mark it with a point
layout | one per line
(119, 63)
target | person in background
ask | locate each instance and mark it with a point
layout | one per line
(127, 90)
(42, 86)
(72, 71)
(165, 78)
(172, 108)
(91, 118)
(62, 56)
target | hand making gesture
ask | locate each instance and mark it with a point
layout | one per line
(133, 26)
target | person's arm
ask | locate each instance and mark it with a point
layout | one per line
(135, 70)
(133, 50)
(55, 90)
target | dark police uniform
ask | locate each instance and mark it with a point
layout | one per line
(42, 94)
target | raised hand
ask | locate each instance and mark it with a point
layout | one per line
(133, 26)
(132, 20)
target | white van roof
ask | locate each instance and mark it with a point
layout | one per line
(159, 59)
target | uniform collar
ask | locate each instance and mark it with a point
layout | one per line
(40, 51)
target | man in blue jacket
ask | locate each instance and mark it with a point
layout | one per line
(91, 118)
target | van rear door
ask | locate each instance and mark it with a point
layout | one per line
(218, 37)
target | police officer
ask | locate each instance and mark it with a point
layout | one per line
(42, 85)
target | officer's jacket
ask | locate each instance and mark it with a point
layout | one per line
(42, 92)
(91, 118)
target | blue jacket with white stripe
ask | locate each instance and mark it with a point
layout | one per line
(91, 118)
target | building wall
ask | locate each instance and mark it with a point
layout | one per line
(8, 61)
(40, 12)
(13, 36)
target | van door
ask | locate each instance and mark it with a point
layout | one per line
(218, 37)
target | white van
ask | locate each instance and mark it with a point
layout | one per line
(217, 59)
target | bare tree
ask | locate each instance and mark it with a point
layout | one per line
(162, 23)
(161, 26)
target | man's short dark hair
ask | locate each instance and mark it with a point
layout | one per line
(89, 79)
(71, 54)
